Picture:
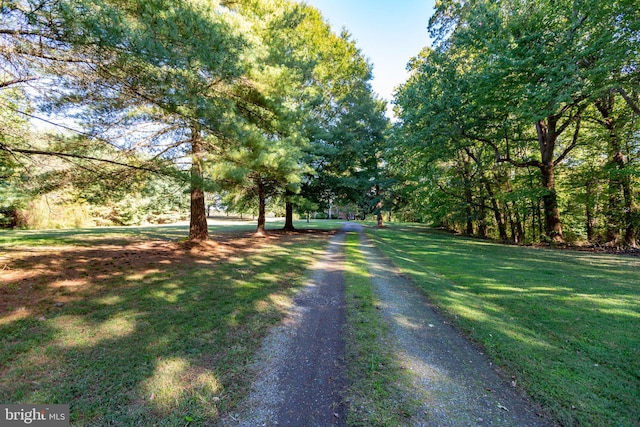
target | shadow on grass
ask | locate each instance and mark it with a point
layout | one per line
(219, 230)
(564, 323)
(152, 333)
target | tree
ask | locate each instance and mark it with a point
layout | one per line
(528, 53)
(516, 80)
(169, 75)
(346, 126)
(13, 130)
(317, 85)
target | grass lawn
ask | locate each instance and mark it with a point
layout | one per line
(378, 385)
(218, 228)
(564, 325)
(131, 326)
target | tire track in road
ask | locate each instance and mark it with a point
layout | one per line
(301, 372)
(456, 383)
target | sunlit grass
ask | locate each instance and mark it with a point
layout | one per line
(377, 391)
(137, 346)
(565, 324)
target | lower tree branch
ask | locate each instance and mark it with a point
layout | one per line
(77, 156)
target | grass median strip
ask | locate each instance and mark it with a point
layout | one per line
(377, 394)
(563, 324)
(151, 333)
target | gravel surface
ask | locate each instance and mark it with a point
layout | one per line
(301, 364)
(300, 368)
(456, 383)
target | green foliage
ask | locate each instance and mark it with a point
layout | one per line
(515, 98)
(262, 83)
(13, 127)
(53, 210)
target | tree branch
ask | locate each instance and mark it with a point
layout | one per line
(460, 197)
(534, 163)
(12, 32)
(630, 102)
(499, 157)
(79, 132)
(42, 55)
(574, 144)
(76, 156)
(571, 119)
(16, 81)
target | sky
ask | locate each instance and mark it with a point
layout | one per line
(388, 32)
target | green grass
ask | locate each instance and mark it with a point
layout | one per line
(565, 324)
(116, 235)
(162, 344)
(377, 393)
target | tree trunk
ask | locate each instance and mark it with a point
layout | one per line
(553, 225)
(519, 226)
(540, 222)
(534, 208)
(468, 195)
(630, 231)
(482, 220)
(198, 229)
(619, 183)
(288, 221)
(469, 225)
(512, 223)
(380, 220)
(589, 207)
(547, 136)
(379, 208)
(499, 215)
(262, 217)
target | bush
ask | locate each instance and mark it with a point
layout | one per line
(46, 212)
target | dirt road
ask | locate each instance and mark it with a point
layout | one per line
(301, 367)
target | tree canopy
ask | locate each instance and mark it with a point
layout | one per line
(520, 123)
(506, 113)
(221, 95)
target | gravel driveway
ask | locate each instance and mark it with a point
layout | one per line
(300, 368)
